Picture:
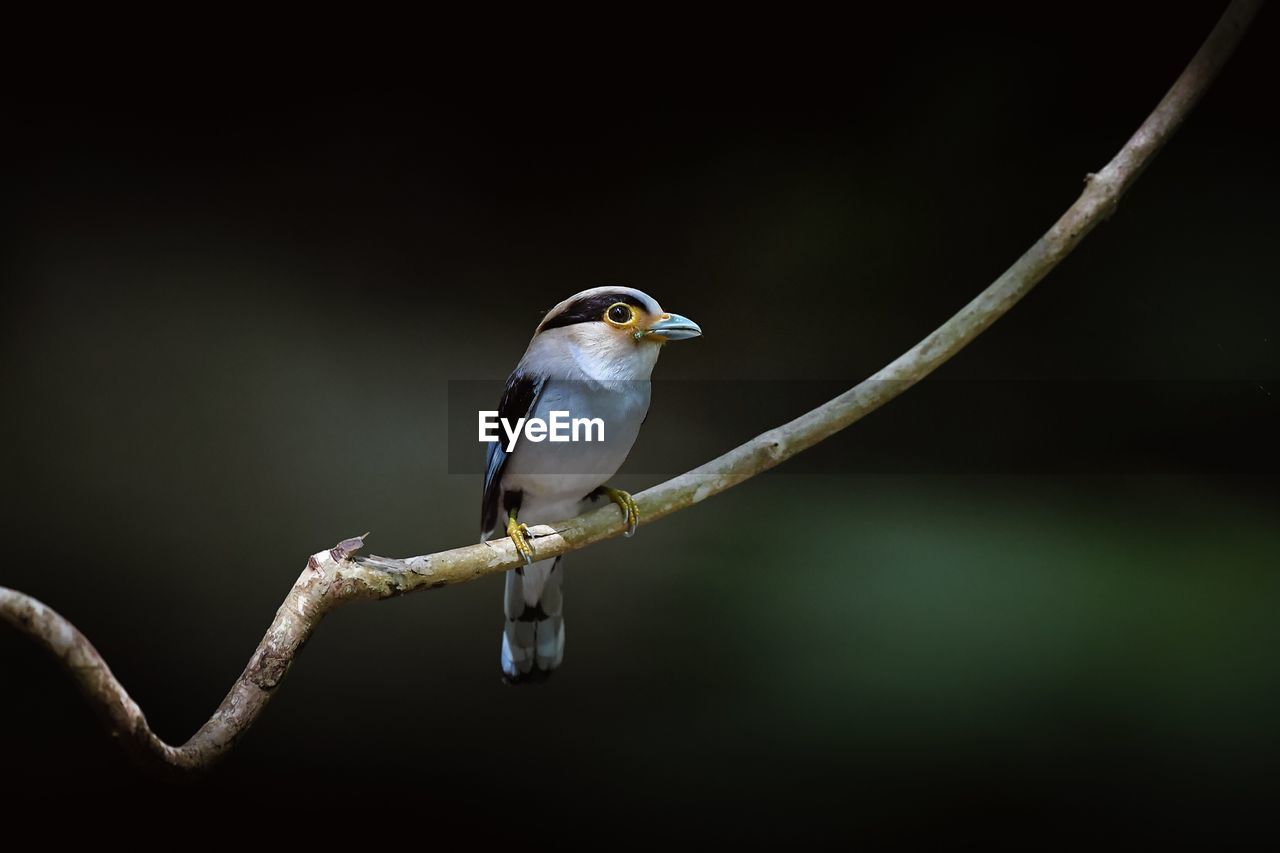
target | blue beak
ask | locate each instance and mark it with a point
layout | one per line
(673, 327)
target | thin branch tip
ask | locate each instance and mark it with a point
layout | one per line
(345, 549)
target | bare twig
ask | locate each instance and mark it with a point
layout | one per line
(334, 576)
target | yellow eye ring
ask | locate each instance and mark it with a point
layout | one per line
(620, 314)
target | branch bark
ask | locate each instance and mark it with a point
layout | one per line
(336, 576)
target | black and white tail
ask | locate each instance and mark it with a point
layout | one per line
(533, 638)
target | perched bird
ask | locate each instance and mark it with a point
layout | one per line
(591, 356)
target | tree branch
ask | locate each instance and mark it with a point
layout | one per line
(336, 576)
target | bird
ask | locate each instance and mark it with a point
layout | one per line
(591, 356)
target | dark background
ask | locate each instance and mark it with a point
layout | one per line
(1040, 589)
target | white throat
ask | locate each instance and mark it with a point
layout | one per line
(592, 354)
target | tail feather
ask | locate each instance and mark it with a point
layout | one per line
(533, 637)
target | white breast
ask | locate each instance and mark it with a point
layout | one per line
(555, 476)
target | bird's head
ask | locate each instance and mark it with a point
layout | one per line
(619, 327)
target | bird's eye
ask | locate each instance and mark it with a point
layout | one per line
(620, 314)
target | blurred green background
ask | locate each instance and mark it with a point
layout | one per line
(232, 315)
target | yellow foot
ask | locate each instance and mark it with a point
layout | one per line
(519, 534)
(630, 511)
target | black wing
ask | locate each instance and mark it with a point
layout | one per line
(517, 402)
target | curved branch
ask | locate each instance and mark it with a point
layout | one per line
(334, 577)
